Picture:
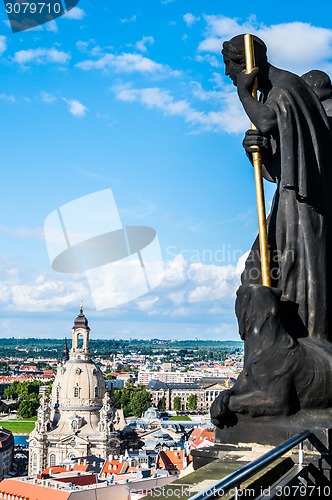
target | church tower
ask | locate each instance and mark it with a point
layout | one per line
(80, 417)
(65, 352)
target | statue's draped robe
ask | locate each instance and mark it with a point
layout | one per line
(300, 218)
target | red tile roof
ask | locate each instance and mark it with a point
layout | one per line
(201, 439)
(171, 460)
(24, 490)
(114, 467)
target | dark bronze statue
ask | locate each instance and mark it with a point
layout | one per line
(287, 329)
(320, 82)
(281, 375)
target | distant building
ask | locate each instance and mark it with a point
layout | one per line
(166, 367)
(115, 383)
(173, 460)
(206, 391)
(73, 485)
(6, 451)
(169, 377)
(201, 438)
(152, 414)
(113, 480)
(78, 419)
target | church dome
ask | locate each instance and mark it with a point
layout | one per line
(152, 413)
(79, 383)
(78, 421)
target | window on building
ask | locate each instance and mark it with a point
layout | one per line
(74, 425)
(76, 392)
(96, 392)
(34, 462)
(52, 460)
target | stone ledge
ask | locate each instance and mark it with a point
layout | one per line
(272, 431)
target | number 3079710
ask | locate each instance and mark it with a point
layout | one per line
(303, 491)
(33, 8)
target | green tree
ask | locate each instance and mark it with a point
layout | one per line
(192, 402)
(28, 395)
(162, 404)
(134, 400)
(130, 384)
(28, 406)
(11, 392)
(177, 403)
(140, 401)
(122, 399)
(22, 389)
(117, 397)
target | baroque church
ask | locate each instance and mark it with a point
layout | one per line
(78, 419)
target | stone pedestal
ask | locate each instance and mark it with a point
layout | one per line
(272, 431)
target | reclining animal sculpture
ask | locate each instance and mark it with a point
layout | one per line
(282, 374)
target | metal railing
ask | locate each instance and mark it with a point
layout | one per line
(237, 477)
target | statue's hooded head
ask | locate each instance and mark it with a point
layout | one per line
(320, 83)
(234, 57)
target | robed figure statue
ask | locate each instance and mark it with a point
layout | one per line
(294, 140)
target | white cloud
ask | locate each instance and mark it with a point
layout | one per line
(231, 119)
(190, 19)
(84, 46)
(42, 294)
(7, 97)
(189, 292)
(210, 59)
(195, 289)
(296, 46)
(147, 304)
(23, 232)
(41, 56)
(141, 44)
(76, 108)
(32, 292)
(47, 98)
(127, 20)
(3, 44)
(89, 47)
(126, 63)
(75, 13)
(52, 27)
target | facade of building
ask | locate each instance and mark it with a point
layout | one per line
(6, 451)
(77, 420)
(80, 485)
(177, 377)
(60, 488)
(169, 377)
(206, 391)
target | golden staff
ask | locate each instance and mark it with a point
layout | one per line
(257, 162)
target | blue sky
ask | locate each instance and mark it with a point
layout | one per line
(132, 96)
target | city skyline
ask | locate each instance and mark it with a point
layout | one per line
(133, 97)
